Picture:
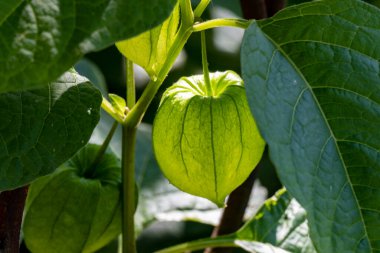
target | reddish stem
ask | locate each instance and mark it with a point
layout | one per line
(11, 209)
(273, 6)
(253, 9)
(232, 217)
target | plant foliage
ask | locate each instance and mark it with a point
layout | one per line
(312, 80)
(40, 129)
(312, 77)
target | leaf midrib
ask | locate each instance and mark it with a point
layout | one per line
(279, 49)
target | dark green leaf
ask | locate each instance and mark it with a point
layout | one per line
(281, 221)
(312, 79)
(293, 2)
(112, 247)
(40, 40)
(7, 7)
(41, 129)
(77, 208)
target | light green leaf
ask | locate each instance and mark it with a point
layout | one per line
(40, 129)
(281, 222)
(77, 208)
(7, 7)
(118, 103)
(41, 40)
(312, 79)
(150, 49)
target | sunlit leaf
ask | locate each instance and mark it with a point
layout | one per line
(150, 49)
(312, 79)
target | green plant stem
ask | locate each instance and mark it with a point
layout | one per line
(135, 115)
(220, 22)
(11, 209)
(132, 120)
(128, 178)
(137, 112)
(128, 170)
(201, 8)
(131, 89)
(187, 15)
(206, 73)
(104, 145)
(221, 241)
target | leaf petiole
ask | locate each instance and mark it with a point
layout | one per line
(187, 16)
(201, 8)
(134, 116)
(221, 241)
(220, 22)
(104, 145)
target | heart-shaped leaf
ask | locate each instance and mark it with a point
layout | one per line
(77, 208)
(40, 129)
(40, 40)
(312, 79)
